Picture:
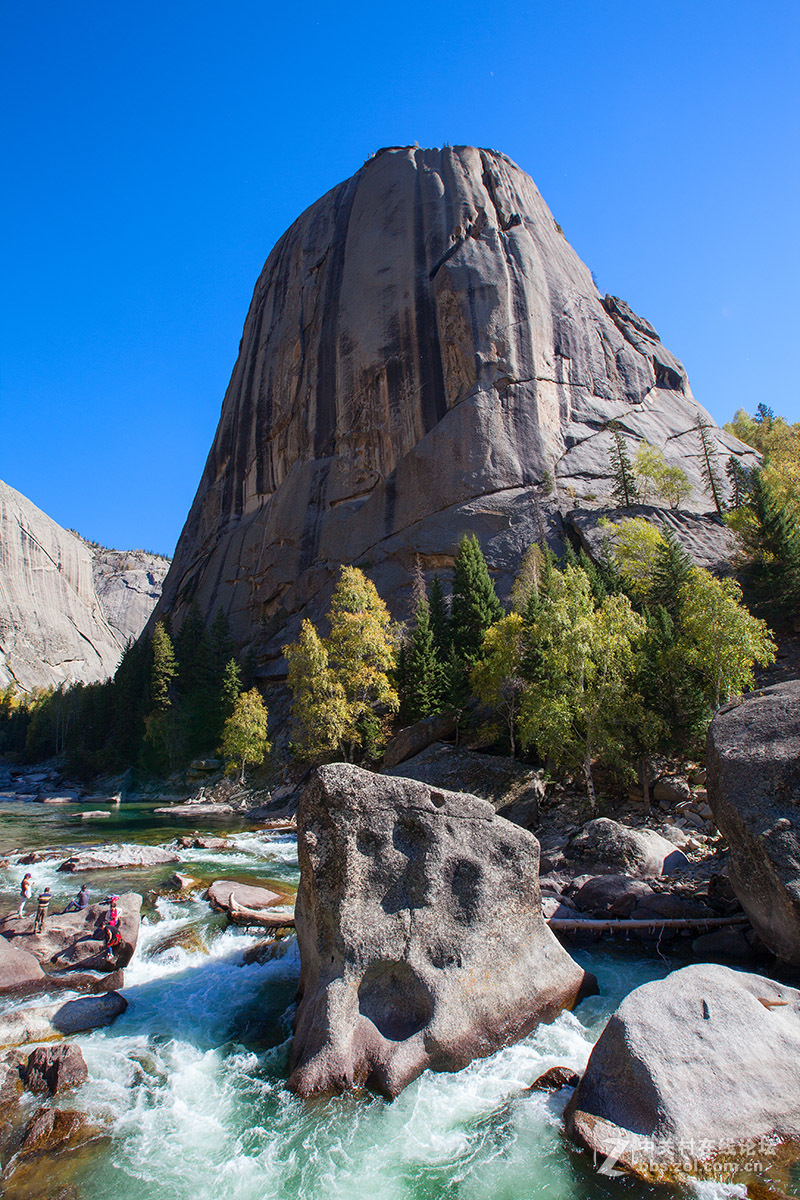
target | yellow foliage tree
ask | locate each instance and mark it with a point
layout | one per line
(244, 735)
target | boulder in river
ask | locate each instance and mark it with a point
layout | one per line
(613, 848)
(246, 895)
(76, 939)
(42, 1023)
(55, 1069)
(19, 969)
(112, 858)
(753, 761)
(421, 935)
(707, 1059)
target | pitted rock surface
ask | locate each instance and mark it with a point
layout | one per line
(421, 935)
(423, 349)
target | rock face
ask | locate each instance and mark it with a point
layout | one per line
(128, 585)
(704, 1057)
(753, 758)
(702, 535)
(55, 1069)
(421, 938)
(423, 351)
(55, 625)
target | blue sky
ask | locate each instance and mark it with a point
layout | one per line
(155, 152)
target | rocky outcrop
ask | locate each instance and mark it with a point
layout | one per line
(687, 1068)
(613, 848)
(55, 625)
(703, 536)
(513, 789)
(423, 355)
(421, 938)
(753, 761)
(76, 939)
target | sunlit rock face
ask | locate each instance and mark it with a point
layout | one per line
(67, 607)
(424, 348)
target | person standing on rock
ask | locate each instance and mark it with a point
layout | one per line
(25, 893)
(41, 911)
(111, 923)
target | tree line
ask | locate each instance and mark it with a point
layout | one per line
(172, 698)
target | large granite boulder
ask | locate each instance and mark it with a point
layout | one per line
(45, 1022)
(423, 354)
(422, 942)
(753, 762)
(76, 939)
(612, 848)
(689, 1067)
(128, 585)
(513, 789)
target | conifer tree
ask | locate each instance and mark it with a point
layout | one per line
(164, 725)
(423, 688)
(740, 480)
(622, 473)
(440, 618)
(230, 688)
(777, 538)
(708, 463)
(474, 606)
(244, 737)
(672, 568)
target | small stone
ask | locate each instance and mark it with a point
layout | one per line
(554, 1079)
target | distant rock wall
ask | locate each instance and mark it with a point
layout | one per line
(65, 613)
(424, 351)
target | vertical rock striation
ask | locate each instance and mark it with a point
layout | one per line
(423, 349)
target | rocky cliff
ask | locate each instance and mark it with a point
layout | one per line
(424, 352)
(64, 610)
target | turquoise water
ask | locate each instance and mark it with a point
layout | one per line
(191, 1081)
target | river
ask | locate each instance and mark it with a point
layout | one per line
(191, 1080)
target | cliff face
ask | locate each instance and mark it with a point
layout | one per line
(128, 585)
(54, 625)
(422, 350)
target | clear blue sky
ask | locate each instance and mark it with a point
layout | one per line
(155, 152)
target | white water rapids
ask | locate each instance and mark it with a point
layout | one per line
(191, 1082)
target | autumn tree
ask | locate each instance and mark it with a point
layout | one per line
(572, 710)
(656, 478)
(345, 708)
(497, 677)
(244, 735)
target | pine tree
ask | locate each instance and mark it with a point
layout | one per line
(164, 725)
(475, 605)
(230, 688)
(244, 737)
(672, 569)
(440, 618)
(198, 683)
(164, 669)
(622, 473)
(708, 462)
(424, 677)
(777, 537)
(740, 480)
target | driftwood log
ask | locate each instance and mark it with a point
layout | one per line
(574, 925)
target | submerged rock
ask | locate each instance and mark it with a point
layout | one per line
(421, 936)
(753, 760)
(708, 1058)
(613, 848)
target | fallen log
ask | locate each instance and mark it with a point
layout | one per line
(573, 925)
(240, 915)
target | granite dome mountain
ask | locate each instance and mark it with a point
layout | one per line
(423, 350)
